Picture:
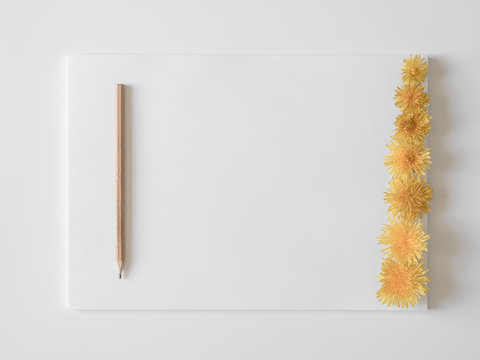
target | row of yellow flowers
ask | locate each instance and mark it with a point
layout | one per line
(402, 277)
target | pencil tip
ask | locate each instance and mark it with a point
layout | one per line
(120, 269)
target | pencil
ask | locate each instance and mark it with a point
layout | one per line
(119, 177)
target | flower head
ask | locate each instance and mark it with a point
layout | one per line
(402, 284)
(414, 69)
(408, 196)
(411, 96)
(406, 240)
(412, 126)
(405, 158)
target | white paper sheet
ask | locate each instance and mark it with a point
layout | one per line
(253, 182)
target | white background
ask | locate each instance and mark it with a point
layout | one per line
(35, 36)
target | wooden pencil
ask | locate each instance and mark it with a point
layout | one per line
(119, 254)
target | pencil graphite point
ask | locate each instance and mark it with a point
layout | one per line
(120, 268)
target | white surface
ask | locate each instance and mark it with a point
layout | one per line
(34, 38)
(253, 182)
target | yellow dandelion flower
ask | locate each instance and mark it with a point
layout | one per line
(402, 284)
(412, 126)
(411, 96)
(405, 158)
(414, 69)
(406, 240)
(408, 196)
